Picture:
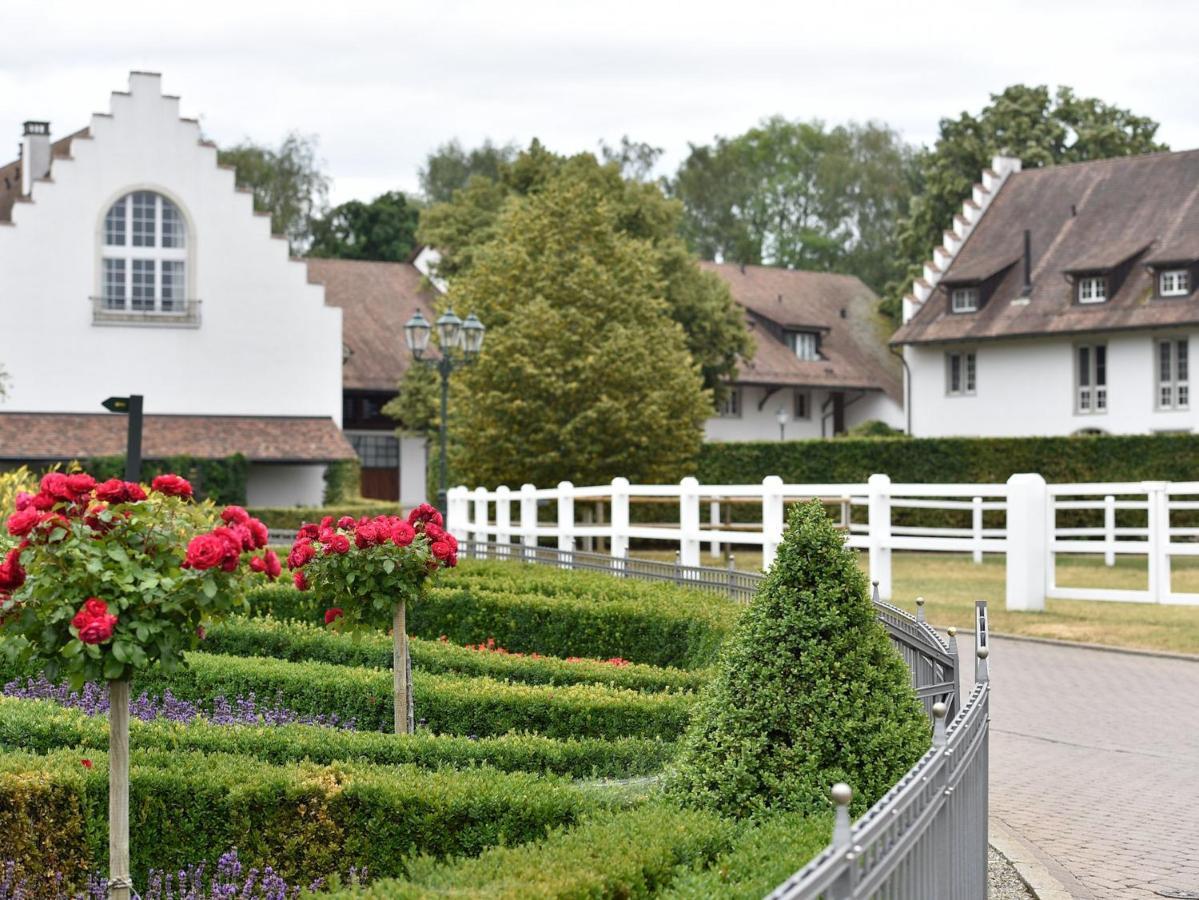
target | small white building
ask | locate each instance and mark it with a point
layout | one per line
(131, 264)
(1061, 302)
(820, 364)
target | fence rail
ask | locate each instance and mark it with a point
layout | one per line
(1026, 520)
(926, 839)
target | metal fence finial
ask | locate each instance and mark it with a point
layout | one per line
(982, 670)
(953, 640)
(919, 609)
(874, 596)
(939, 710)
(842, 794)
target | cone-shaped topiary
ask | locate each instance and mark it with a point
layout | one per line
(808, 690)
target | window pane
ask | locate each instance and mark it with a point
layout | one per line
(114, 225)
(172, 285)
(1084, 366)
(1100, 365)
(1163, 361)
(969, 373)
(1181, 374)
(114, 284)
(143, 218)
(376, 451)
(955, 373)
(801, 404)
(172, 225)
(142, 286)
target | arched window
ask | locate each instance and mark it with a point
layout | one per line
(144, 255)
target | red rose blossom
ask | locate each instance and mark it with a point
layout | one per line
(86, 763)
(339, 543)
(300, 581)
(24, 498)
(204, 551)
(135, 492)
(81, 484)
(257, 564)
(309, 530)
(97, 631)
(332, 615)
(259, 532)
(302, 552)
(94, 607)
(402, 534)
(345, 522)
(434, 532)
(234, 515)
(273, 568)
(43, 501)
(20, 524)
(54, 484)
(365, 535)
(112, 491)
(172, 486)
(424, 514)
(440, 550)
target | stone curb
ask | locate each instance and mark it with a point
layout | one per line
(1032, 871)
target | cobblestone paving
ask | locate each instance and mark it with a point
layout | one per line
(1095, 764)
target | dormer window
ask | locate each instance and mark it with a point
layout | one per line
(1174, 283)
(1092, 289)
(804, 343)
(964, 300)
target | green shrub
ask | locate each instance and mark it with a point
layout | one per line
(289, 518)
(620, 855)
(42, 726)
(302, 642)
(343, 482)
(304, 820)
(450, 704)
(533, 609)
(808, 690)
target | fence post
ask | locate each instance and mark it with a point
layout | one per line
(842, 794)
(689, 521)
(481, 523)
(455, 514)
(566, 521)
(772, 518)
(619, 541)
(1158, 497)
(879, 508)
(503, 518)
(528, 520)
(1028, 541)
(714, 523)
(977, 523)
(1109, 530)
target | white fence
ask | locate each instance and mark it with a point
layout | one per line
(1021, 519)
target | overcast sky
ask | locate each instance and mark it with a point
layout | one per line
(382, 83)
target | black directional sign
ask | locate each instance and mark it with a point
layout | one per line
(132, 407)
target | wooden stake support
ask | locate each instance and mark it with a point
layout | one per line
(400, 671)
(119, 884)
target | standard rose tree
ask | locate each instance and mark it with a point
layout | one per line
(368, 570)
(108, 579)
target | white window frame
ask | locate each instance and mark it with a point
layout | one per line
(802, 405)
(961, 373)
(1090, 379)
(1171, 366)
(1092, 289)
(964, 300)
(1174, 283)
(160, 259)
(730, 406)
(803, 342)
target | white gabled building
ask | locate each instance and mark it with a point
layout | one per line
(1063, 301)
(130, 263)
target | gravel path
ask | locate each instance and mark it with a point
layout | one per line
(1002, 880)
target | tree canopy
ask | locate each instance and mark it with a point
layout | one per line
(288, 183)
(698, 301)
(799, 195)
(384, 229)
(585, 376)
(449, 167)
(1039, 127)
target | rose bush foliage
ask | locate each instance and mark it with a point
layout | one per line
(106, 579)
(362, 568)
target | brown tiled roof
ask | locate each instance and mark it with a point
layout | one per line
(376, 299)
(854, 347)
(66, 436)
(10, 173)
(1085, 216)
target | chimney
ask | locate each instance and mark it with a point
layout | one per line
(35, 154)
(1027, 290)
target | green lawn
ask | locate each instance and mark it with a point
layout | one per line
(951, 582)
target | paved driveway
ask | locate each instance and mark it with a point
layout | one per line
(1095, 765)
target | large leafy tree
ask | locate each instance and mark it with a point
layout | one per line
(287, 182)
(585, 376)
(801, 195)
(384, 229)
(698, 301)
(1038, 126)
(448, 168)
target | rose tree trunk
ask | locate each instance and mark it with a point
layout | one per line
(118, 790)
(401, 672)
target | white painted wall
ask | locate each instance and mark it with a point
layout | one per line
(414, 456)
(267, 344)
(761, 425)
(1026, 388)
(285, 485)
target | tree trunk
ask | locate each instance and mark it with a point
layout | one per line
(400, 671)
(119, 884)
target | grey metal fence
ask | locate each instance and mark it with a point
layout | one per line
(926, 839)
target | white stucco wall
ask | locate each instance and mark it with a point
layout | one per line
(414, 455)
(285, 485)
(761, 425)
(267, 344)
(1026, 388)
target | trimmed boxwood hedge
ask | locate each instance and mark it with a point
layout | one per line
(302, 819)
(626, 855)
(531, 609)
(290, 518)
(449, 704)
(301, 642)
(41, 726)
